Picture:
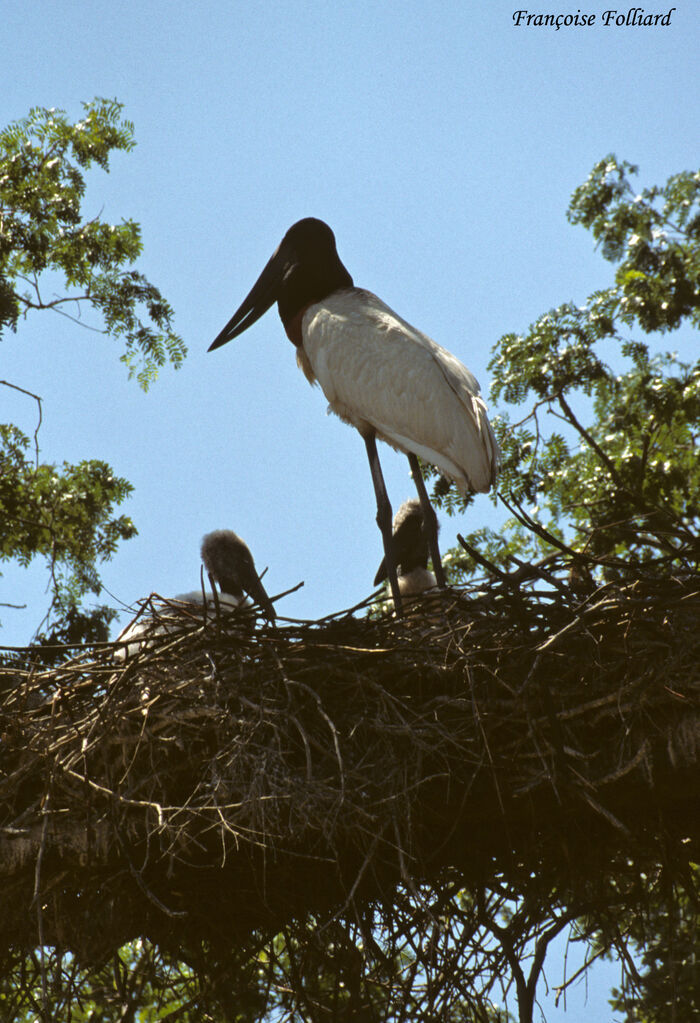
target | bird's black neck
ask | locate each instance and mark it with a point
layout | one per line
(304, 285)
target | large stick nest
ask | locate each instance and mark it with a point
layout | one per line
(234, 776)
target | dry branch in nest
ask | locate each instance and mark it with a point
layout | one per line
(234, 777)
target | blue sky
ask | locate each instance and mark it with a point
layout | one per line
(441, 143)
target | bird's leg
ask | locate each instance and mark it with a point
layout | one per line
(430, 520)
(383, 517)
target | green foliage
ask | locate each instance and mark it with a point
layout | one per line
(62, 515)
(618, 478)
(43, 230)
(665, 936)
(65, 515)
(653, 236)
(136, 984)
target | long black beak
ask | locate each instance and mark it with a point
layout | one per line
(261, 296)
(381, 573)
(257, 593)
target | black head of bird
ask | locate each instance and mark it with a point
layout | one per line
(304, 268)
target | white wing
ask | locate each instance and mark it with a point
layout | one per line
(226, 600)
(138, 632)
(378, 371)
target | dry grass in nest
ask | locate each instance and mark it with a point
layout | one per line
(235, 776)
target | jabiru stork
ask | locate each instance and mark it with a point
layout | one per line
(229, 563)
(379, 374)
(410, 549)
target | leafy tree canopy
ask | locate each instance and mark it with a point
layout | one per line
(65, 514)
(42, 228)
(618, 477)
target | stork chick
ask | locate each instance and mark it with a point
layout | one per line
(229, 563)
(410, 549)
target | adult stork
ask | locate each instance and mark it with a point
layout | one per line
(410, 549)
(378, 373)
(229, 563)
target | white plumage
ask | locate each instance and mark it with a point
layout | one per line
(184, 605)
(378, 371)
(418, 580)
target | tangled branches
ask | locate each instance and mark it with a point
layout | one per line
(234, 781)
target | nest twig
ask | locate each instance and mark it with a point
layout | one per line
(235, 776)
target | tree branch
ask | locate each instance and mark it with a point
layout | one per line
(568, 411)
(36, 397)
